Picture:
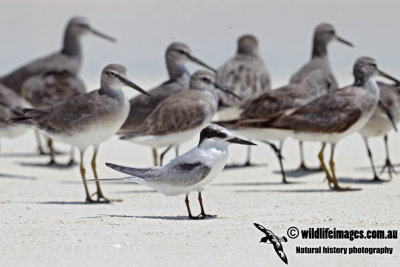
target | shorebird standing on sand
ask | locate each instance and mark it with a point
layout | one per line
(283, 99)
(68, 59)
(190, 171)
(87, 119)
(179, 117)
(324, 33)
(333, 116)
(177, 56)
(382, 121)
(246, 75)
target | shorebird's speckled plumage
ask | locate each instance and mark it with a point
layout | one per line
(245, 74)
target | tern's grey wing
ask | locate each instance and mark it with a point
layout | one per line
(334, 112)
(54, 61)
(274, 101)
(179, 112)
(184, 174)
(142, 105)
(144, 173)
(47, 89)
(246, 76)
(314, 64)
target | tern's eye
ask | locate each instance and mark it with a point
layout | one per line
(204, 79)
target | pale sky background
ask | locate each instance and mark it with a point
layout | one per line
(210, 27)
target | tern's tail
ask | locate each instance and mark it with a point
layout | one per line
(136, 172)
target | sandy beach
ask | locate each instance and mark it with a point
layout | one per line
(45, 222)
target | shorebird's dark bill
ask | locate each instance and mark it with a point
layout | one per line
(220, 87)
(201, 63)
(237, 140)
(387, 76)
(132, 85)
(340, 39)
(104, 36)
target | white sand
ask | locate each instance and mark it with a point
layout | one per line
(44, 221)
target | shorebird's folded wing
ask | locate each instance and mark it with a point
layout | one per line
(177, 113)
(332, 113)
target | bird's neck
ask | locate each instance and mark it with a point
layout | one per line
(113, 92)
(319, 49)
(175, 70)
(71, 45)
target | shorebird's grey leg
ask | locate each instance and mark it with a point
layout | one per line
(388, 163)
(72, 161)
(163, 154)
(376, 178)
(280, 158)
(155, 157)
(83, 175)
(321, 160)
(188, 207)
(177, 151)
(99, 193)
(202, 214)
(39, 143)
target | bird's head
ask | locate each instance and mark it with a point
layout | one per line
(179, 54)
(114, 76)
(79, 26)
(366, 68)
(247, 45)
(325, 33)
(215, 135)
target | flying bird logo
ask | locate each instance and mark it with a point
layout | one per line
(274, 240)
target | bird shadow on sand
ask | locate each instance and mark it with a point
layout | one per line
(349, 180)
(56, 166)
(19, 154)
(71, 203)
(298, 173)
(255, 183)
(286, 191)
(235, 166)
(17, 176)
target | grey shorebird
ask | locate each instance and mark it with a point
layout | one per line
(68, 59)
(283, 99)
(177, 56)
(333, 116)
(189, 172)
(324, 34)
(47, 89)
(87, 119)
(385, 118)
(10, 105)
(179, 117)
(246, 75)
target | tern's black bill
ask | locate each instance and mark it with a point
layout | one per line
(340, 39)
(389, 113)
(387, 76)
(237, 140)
(201, 63)
(102, 35)
(223, 89)
(132, 85)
